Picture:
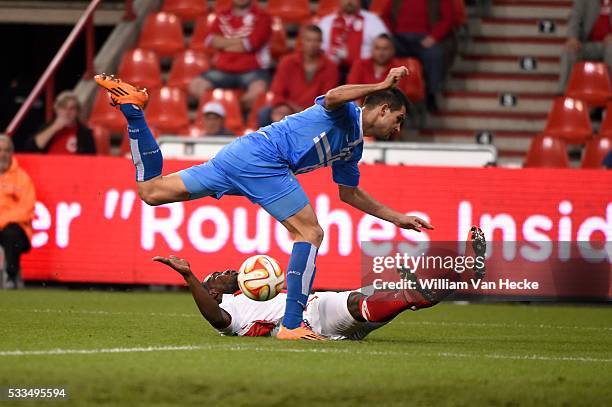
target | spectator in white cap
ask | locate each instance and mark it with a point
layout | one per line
(214, 120)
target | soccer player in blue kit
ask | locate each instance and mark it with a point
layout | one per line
(262, 167)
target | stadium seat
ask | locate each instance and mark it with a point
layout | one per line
(605, 129)
(595, 151)
(379, 6)
(547, 152)
(186, 10)
(326, 7)
(229, 98)
(590, 82)
(569, 119)
(263, 100)
(278, 40)
(186, 66)
(101, 137)
(221, 5)
(200, 31)
(292, 12)
(104, 115)
(415, 83)
(141, 67)
(163, 33)
(459, 13)
(167, 111)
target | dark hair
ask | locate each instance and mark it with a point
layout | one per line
(393, 97)
(386, 37)
(313, 28)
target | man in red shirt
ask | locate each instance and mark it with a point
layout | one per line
(420, 28)
(348, 34)
(589, 33)
(66, 134)
(301, 77)
(240, 34)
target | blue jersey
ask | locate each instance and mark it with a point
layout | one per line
(317, 137)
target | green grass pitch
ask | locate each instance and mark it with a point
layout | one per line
(154, 349)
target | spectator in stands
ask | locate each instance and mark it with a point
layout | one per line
(300, 78)
(607, 162)
(240, 35)
(589, 33)
(214, 120)
(348, 34)
(420, 28)
(66, 134)
(375, 69)
(17, 198)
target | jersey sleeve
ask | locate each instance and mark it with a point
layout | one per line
(346, 172)
(229, 305)
(339, 113)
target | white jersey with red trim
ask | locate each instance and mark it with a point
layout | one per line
(326, 313)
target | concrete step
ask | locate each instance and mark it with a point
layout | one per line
(531, 9)
(509, 27)
(520, 46)
(504, 64)
(487, 121)
(509, 143)
(490, 102)
(503, 82)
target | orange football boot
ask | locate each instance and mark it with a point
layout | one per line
(122, 93)
(301, 332)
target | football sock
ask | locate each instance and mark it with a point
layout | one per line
(300, 275)
(383, 306)
(146, 155)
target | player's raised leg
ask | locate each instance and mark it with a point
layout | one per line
(146, 154)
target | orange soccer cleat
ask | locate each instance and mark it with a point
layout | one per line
(122, 93)
(301, 332)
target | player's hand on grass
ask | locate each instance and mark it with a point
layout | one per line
(394, 76)
(412, 223)
(178, 264)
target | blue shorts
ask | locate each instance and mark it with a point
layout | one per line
(249, 166)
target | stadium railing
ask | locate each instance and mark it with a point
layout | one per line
(47, 81)
(391, 153)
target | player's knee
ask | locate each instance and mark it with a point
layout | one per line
(315, 235)
(150, 196)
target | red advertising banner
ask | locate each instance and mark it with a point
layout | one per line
(91, 226)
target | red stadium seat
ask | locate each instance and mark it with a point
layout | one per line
(221, 5)
(278, 40)
(162, 33)
(595, 151)
(605, 130)
(590, 81)
(379, 6)
(415, 83)
(167, 111)
(293, 12)
(547, 152)
(327, 7)
(200, 31)
(569, 119)
(141, 67)
(263, 100)
(186, 66)
(105, 115)
(186, 10)
(101, 137)
(229, 98)
(459, 13)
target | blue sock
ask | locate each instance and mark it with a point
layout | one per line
(146, 155)
(300, 275)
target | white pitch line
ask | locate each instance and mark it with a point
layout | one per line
(241, 348)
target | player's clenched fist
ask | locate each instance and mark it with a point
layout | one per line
(395, 75)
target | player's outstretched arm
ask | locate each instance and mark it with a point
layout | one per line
(336, 97)
(208, 306)
(360, 199)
